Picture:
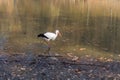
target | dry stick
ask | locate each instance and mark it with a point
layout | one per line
(71, 63)
(49, 56)
(74, 63)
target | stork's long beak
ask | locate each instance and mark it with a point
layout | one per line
(60, 34)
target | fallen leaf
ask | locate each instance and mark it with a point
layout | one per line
(70, 54)
(119, 55)
(75, 58)
(23, 68)
(77, 71)
(82, 49)
(109, 60)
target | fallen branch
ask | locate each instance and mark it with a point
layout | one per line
(49, 56)
(75, 63)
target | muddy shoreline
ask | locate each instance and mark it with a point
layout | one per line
(44, 67)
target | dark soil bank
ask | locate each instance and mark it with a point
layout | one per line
(41, 67)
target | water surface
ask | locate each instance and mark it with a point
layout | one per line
(86, 25)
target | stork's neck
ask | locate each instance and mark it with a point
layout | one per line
(56, 33)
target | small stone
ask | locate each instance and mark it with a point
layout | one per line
(23, 68)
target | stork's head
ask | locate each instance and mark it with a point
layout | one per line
(58, 32)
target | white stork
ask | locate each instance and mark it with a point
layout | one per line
(49, 36)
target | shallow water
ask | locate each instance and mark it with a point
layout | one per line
(82, 24)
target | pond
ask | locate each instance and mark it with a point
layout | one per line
(87, 26)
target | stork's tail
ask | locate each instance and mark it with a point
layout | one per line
(42, 35)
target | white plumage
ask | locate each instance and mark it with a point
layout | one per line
(49, 35)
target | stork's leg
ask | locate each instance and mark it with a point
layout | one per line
(47, 51)
(49, 48)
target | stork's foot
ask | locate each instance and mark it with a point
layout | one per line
(47, 51)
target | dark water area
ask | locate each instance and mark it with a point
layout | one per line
(82, 24)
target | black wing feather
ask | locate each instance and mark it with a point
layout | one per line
(43, 36)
